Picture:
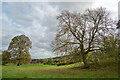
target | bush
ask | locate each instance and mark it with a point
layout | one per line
(45, 61)
(50, 61)
(6, 57)
(62, 63)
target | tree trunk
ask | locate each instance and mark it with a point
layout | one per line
(86, 65)
(18, 64)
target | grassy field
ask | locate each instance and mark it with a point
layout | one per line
(53, 71)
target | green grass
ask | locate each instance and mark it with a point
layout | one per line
(53, 71)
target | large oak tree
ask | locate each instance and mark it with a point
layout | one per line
(84, 32)
(19, 49)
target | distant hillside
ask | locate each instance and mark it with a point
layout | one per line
(72, 58)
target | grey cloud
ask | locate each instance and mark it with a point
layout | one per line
(40, 24)
(73, 6)
(119, 10)
(17, 12)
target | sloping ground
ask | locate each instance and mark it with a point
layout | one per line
(108, 70)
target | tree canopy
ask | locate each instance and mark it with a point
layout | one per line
(19, 48)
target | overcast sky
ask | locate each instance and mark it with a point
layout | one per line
(37, 20)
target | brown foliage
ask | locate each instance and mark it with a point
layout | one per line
(6, 57)
(19, 49)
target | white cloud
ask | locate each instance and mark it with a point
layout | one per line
(110, 5)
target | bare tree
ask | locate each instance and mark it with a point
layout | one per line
(82, 31)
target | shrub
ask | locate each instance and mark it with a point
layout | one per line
(62, 63)
(6, 57)
(45, 61)
(50, 61)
